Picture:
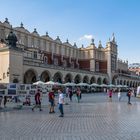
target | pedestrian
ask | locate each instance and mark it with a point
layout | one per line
(110, 94)
(37, 100)
(78, 93)
(52, 101)
(61, 102)
(70, 94)
(129, 93)
(119, 95)
(67, 91)
(5, 101)
(1, 97)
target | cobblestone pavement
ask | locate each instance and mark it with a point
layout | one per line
(94, 118)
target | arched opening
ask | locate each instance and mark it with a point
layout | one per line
(68, 78)
(99, 81)
(121, 82)
(124, 82)
(77, 79)
(118, 82)
(105, 81)
(127, 83)
(45, 76)
(131, 84)
(57, 77)
(30, 77)
(92, 80)
(86, 79)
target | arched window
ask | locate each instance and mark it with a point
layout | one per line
(97, 66)
(55, 61)
(72, 64)
(45, 59)
(65, 63)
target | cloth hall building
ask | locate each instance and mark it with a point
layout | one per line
(26, 57)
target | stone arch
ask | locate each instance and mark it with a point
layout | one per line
(118, 82)
(45, 76)
(30, 76)
(130, 84)
(121, 83)
(133, 84)
(127, 83)
(105, 81)
(99, 80)
(58, 77)
(124, 82)
(77, 79)
(68, 78)
(92, 80)
(86, 79)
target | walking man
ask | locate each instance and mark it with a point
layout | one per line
(37, 101)
(61, 102)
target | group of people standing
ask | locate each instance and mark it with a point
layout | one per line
(52, 101)
(51, 97)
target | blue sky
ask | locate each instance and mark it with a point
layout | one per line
(79, 20)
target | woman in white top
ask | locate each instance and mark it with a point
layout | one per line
(119, 95)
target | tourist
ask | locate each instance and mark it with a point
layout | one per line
(110, 94)
(129, 93)
(78, 93)
(67, 91)
(52, 101)
(70, 94)
(119, 95)
(5, 101)
(37, 100)
(61, 102)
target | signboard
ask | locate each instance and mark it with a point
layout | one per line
(12, 89)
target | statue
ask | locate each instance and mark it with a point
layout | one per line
(11, 39)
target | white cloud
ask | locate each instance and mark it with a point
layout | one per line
(86, 37)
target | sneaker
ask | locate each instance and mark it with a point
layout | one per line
(32, 109)
(40, 110)
(53, 112)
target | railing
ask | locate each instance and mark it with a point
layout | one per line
(39, 63)
(129, 76)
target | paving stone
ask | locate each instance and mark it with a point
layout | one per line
(94, 118)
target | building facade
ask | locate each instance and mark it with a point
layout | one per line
(27, 57)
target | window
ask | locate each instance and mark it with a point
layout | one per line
(65, 63)
(72, 64)
(35, 55)
(97, 66)
(55, 61)
(45, 59)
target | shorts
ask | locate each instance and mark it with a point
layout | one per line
(51, 102)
